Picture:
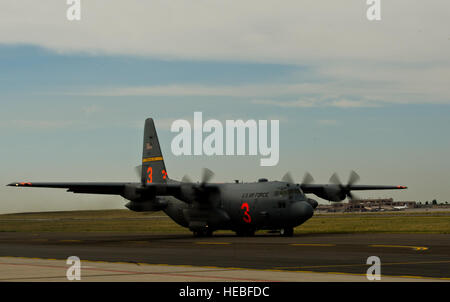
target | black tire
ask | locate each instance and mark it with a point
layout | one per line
(245, 233)
(203, 233)
(287, 232)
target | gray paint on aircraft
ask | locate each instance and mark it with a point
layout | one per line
(205, 207)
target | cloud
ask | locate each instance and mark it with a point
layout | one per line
(341, 93)
(344, 103)
(402, 59)
(251, 30)
(252, 90)
(338, 84)
(39, 124)
(301, 103)
(314, 102)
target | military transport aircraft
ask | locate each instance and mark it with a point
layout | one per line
(204, 207)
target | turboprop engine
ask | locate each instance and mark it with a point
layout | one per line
(141, 200)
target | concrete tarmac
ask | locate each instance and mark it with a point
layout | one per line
(163, 257)
(16, 269)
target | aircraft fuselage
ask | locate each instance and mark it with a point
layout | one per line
(245, 207)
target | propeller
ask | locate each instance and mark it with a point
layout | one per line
(346, 189)
(207, 175)
(138, 170)
(186, 178)
(288, 178)
(198, 191)
(307, 178)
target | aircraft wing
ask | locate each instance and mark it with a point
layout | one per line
(336, 192)
(317, 188)
(126, 189)
(374, 187)
(78, 187)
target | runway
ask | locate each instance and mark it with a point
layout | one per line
(266, 257)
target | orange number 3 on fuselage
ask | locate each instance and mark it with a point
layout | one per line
(247, 218)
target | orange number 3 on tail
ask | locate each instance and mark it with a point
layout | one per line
(150, 175)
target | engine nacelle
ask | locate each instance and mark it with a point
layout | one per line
(156, 204)
(142, 201)
(332, 193)
(130, 192)
(187, 193)
(190, 193)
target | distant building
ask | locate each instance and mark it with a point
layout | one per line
(364, 205)
(374, 204)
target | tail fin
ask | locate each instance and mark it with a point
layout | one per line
(153, 168)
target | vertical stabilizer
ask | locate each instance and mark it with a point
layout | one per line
(153, 168)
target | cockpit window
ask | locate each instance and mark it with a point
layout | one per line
(291, 192)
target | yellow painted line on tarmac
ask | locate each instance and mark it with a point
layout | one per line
(360, 264)
(312, 244)
(320, 266)
(212, 243)
(364, 275)
(272, 270)
(416, 248)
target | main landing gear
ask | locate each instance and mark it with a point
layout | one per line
(245, 233)
(203, 233)
(287, 232)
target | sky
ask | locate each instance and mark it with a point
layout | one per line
(350, 94)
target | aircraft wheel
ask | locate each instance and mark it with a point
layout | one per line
(203, 233)
(287, 232)
(245, 233)
(250, 233)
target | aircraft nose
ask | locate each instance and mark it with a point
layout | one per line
(300, 212)
(312, 202)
